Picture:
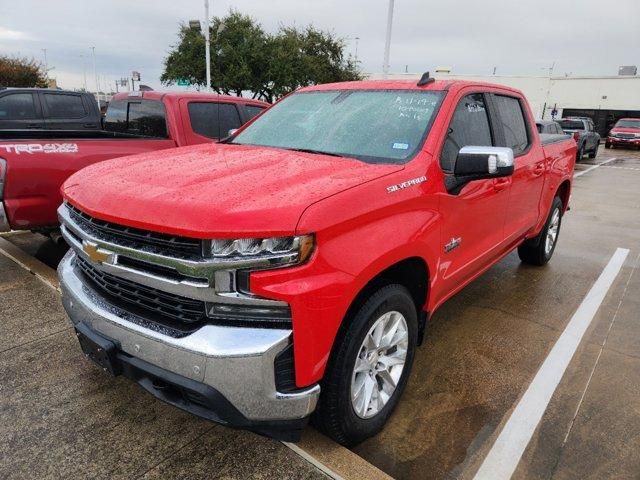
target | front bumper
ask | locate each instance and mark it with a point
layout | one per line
(633, 142)
(233, 367)
(4, 220)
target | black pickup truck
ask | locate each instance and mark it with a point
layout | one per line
(43, 108)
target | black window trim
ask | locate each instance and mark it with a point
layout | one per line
(45, 106)
(527, 124)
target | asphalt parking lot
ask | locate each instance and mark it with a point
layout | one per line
(62, 417)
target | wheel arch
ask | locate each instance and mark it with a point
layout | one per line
(412, 273)
(564, 192)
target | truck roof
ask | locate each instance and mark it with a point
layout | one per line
(159, 95)
(404, 85)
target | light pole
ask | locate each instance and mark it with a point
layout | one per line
(95, 75)
(387, 43)
(84, 70)
(46, 65)
(207, 46)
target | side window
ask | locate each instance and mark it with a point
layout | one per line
(17, 106)
(147, 118)
(116, 118)
(253, 110)
(513, 123)
(213, 120)
(64, 106)
(469, 127)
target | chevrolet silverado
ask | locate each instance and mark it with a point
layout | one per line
(289, 271)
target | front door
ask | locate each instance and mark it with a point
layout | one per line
(473, 220)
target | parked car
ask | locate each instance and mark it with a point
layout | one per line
(43, 108)
(584, 133)
(134, 123)
(549, 126)
(625, 133)
(292, 268)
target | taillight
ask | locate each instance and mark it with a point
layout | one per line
(576, 136)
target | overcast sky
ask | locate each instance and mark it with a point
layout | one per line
(589, 37)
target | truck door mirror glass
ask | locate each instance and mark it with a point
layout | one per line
(479, 163)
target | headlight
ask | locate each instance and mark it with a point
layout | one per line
(283, 250)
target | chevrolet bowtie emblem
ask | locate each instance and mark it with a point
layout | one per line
(92, 251)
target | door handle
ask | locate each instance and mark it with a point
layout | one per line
(33, 125)
(501, 183)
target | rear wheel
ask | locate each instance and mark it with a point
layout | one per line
(369, 367)
(594, 153)
(539, 250)
(580, 153)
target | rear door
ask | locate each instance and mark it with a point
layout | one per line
(67, 111)
(529, 162)
(472, 234)
(20, 110)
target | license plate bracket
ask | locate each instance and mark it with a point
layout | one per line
(101, 351)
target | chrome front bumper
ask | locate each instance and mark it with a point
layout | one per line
(237, 362)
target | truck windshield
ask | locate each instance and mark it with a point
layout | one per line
(628, 124)
(377, 126)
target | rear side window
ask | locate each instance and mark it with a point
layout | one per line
(146, 118)
(469, 127)
(213, 120)
(64, 106)
(252, 110)
(512, 123)
(571, 124)
(17, 106)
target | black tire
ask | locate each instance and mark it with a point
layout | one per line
(594, 153)
(335, 415)
(534, 251)
(580, 153)
(607, 145)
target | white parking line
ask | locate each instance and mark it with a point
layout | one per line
(505, 454)
(576, 175)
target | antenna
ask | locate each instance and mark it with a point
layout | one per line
(425, 80)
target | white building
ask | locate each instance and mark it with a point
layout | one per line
(604, 99)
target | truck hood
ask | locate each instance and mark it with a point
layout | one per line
(215, 190)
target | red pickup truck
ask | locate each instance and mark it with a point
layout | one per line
(35, 163)
(292, 267)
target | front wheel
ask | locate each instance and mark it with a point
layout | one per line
(369, 367)
(539, 250)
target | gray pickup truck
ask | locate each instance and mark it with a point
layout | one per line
(584, 133)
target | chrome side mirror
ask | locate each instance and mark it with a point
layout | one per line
(479, 163)
(487, 162)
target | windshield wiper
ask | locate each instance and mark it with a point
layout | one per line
(317, 152)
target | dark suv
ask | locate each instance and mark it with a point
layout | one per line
(42, 108)
(584, 133)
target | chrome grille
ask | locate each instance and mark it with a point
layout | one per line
(136, 238)
(161, 304)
